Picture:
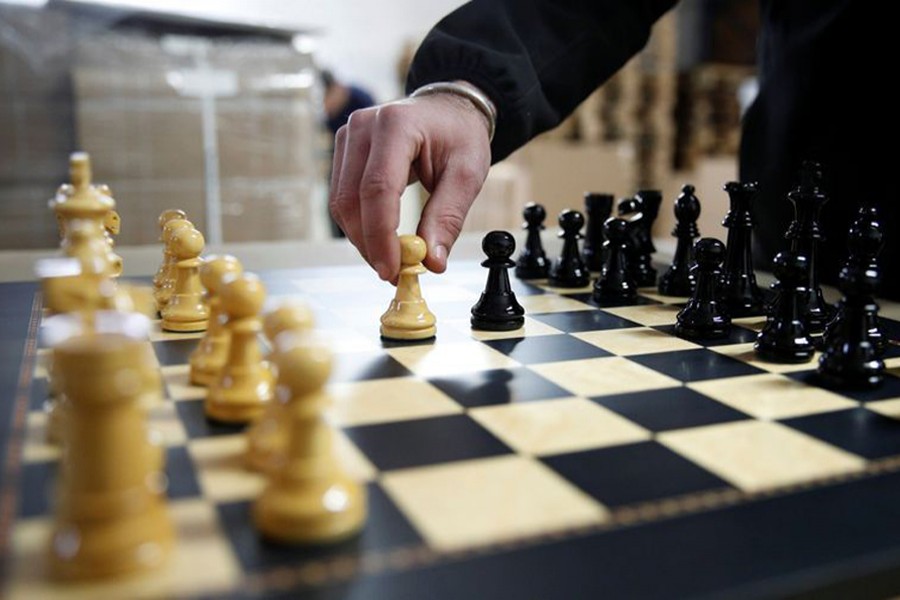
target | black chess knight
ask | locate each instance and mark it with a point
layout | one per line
(533, 262)
(498, 309)
(678, 280)
(569, 271)
(598, 208)
(739, 290)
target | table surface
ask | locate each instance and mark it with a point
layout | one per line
(591, 453)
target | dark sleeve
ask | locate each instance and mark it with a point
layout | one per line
(536, 59)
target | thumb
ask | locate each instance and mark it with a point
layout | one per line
(445, 212)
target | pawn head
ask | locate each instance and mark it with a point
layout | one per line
(412, 249)
(303, 364)
(615, 230)
(790, 268)
(242, 295)
(169, 214)
(171, 227)
(571, 221)
(215, 269)
(290, 316)
(630, 206)
(534, 214)
(498, 244)
(709, 252)
(187, 243)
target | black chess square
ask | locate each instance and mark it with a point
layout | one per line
(584, 320)
(670, 408)
(856, 430)
(421, 442)
(181, 474)
(632, 473)
(588, 298)
(175, 352)
(695, 365)
(193, 417)
(889, 328)
(546, 348)
(37, 487)
(499, 386)
(736, 335)
(385, 528)
(890, 388)
(38, 394)
(364, 366)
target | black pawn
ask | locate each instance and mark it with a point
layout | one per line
(615, 283)
(533, 263)
(640, 243)
(498, 309)
(569, 271)
(865, 240)
(851, 358)
(704, 316)
(598, 208)
(805, 235)
(784, 338)
(739, 290)
(678, 280)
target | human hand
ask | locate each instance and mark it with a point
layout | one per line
(440, 140)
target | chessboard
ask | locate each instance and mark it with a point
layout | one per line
(590, 454)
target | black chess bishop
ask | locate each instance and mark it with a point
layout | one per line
(569, 271)
(705, 316)
(533, 262)
(678, 280)
(498, 309)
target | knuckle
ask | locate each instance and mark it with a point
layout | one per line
(376, 185)
(451, 221)
(361, 117)
(341, 135)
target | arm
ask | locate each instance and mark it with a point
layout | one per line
(535, 59)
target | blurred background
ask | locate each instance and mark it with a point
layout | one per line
(221, 109)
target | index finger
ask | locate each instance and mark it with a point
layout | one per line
(386, 174)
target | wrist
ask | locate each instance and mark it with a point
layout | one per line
(464, 90)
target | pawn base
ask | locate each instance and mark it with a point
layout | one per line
(482, 323)
(310, 513)
(184, 326)
(532, 271)
(397, 333)
(782, 355)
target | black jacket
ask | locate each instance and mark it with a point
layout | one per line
(538, 59)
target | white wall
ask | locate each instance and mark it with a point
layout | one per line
(360, 40)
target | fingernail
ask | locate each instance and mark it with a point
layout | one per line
(440, 252)
(381, 269)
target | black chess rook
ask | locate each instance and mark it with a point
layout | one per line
(598, 208)
(739, 290)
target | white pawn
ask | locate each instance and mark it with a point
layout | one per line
(408, 317)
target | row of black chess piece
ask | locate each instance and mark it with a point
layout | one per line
(619, 248)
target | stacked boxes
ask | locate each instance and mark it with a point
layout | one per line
(170, 119)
